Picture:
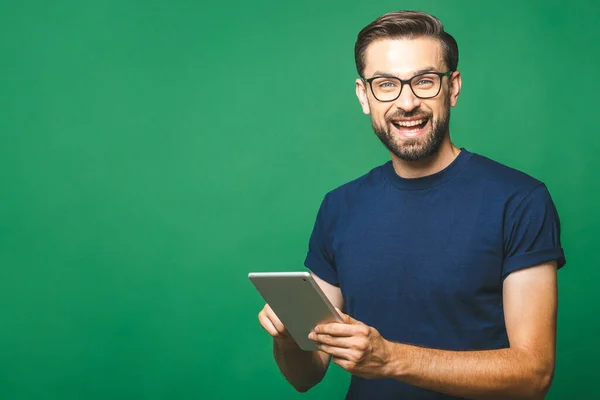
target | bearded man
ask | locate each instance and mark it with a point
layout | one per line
(442, 262)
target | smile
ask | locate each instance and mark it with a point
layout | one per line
(411, 128)
(414, 123)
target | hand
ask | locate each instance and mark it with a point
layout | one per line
(271, 323)
(354, 346)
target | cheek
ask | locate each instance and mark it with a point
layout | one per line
(378, 112)
(434, 109)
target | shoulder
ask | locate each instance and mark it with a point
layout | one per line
(358, 189)
(502, 178)
(508, 184)
(348, 197)
(500, 174)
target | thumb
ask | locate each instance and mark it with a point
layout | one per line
(346, 318)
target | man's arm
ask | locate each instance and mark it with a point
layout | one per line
(303, 369)
(522, 371)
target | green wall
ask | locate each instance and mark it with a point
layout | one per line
(153, 153)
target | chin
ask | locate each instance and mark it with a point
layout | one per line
(417, 149)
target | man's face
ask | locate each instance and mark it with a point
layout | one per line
(411, 128)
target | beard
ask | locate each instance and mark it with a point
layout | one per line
(419, 148)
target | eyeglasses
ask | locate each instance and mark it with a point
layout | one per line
(425, 86)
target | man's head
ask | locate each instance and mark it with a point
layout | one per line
(398, 51)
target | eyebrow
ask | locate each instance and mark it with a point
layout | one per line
(421, 71)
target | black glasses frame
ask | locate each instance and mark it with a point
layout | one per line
(408, 82)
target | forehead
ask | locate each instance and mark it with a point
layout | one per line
(402, 57)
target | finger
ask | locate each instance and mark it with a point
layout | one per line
(275, 320)
(267, 325)
(339, 329)
(348, 365)
(346, 318)
(339, 353)
(342, 342)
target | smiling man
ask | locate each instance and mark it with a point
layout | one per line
(444, 262)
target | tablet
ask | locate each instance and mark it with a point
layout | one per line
(298, 302)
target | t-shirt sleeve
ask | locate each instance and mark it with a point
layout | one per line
(320, 259)
(532, 233)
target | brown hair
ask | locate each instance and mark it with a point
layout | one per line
(405, 24)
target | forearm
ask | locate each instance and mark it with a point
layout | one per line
(492, 374)
(303, 369)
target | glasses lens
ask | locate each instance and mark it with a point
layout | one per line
(386, 89)
(426, 85)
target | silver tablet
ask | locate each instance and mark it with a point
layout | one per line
(298, 302)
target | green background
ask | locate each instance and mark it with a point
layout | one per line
(153, 153)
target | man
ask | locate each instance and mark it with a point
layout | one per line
(443, 261)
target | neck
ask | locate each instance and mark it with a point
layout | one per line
(428, 166)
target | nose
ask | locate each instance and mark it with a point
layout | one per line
(407, 100)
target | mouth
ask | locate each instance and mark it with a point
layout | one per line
(411, 128)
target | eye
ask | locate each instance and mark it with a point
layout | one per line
(424, 81)
(387, 84)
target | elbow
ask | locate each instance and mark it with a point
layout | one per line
(540, 381)
(534, 375)
(302, 388)
(306, 385)
(543, 386)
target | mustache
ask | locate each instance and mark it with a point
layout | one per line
(400, 114)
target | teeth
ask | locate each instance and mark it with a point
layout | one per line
(410, 123)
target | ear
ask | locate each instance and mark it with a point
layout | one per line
(455, 86)
(361, 93)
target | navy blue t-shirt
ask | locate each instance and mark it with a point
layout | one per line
(423, 260)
